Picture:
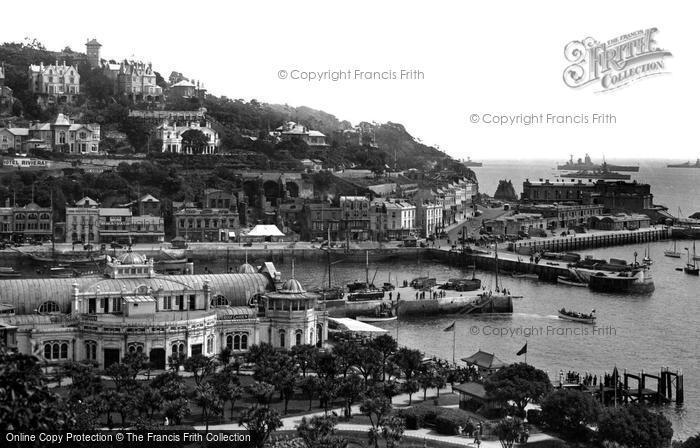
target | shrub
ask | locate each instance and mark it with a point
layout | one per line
(448, 421)
(416, 416)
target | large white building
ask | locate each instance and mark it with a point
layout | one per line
(136, 310)
(172, 137)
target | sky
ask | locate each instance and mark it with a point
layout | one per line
(501, 58)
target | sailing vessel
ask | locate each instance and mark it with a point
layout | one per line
(577, 317)
(364, 291)
(691, 268)
(672, 253)
(463, 284)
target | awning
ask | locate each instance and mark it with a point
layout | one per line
(355, 326)
(265, 230)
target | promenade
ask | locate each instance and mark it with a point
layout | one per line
(398, 401)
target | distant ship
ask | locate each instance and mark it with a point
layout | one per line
(685, 165)
(469, 162)
(588, 165)
(604, 173)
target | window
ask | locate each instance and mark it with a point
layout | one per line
(298, 337)
(178, 347)
(282, 337)
(229, 342)
(135, 347)
(237, 342)
(49, 307)
(244, 342)
(55, 350)
(219, 300)
(91, 350)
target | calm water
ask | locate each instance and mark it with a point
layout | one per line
(636, 332)
(672, 187)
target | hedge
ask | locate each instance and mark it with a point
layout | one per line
(447, 421)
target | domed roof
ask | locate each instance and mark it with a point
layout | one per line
(132, 258)
(292, 286)
(246, 268)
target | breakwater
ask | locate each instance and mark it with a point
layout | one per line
(590, 240)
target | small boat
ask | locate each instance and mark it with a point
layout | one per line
(529, 276)
(9, 272)
(358, 291)
(423, 282)
(691, 268)
(376, 318)
(577, 317)
(570, 282)
(672, 253)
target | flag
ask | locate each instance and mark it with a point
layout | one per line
(522, 350)
(451, 327)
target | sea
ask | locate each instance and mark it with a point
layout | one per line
(634, 332)
(675, 188)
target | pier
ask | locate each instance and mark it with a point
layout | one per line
(590, 240)
(612, 388)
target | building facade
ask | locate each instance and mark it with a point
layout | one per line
(63, 135)
(564, 215)
(172, 137)
(355, 218)
(54, 84)
(137, 310)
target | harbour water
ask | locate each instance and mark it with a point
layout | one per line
(632, 332)
(672, 187)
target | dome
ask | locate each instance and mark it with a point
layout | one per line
(292, 285)
(132, 258)
(247, 269)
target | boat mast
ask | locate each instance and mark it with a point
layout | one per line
(496, 258)
(328, 256)
(367, 268)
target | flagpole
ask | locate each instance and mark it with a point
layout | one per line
(454, 337)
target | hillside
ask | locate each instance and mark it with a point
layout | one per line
(243, 125)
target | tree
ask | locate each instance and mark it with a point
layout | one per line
(691, 442)
(260, 423)
(392, 429)
(84, 382)
(409, 361)
(195, 141)
(176, 360)
(327, 391)
(305, 357)
(635, 426)
(309, 386)
(508, 431)
(319, 432)
(261, 391)
(351, 388)
(376, 407)
(201, 367)
(26, 403)
(227, 387)
(426, 380)
(411, 387)
(369, 362)
(148, 401)
(570, 412)
(386, 345)
(520, 383)
(209, 401)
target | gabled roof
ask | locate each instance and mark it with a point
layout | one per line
(148, 198)
(183, 83)
(87, 202)
(93, 42)
(61, 120)
(484, 360)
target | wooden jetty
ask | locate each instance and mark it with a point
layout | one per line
(666, 387)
